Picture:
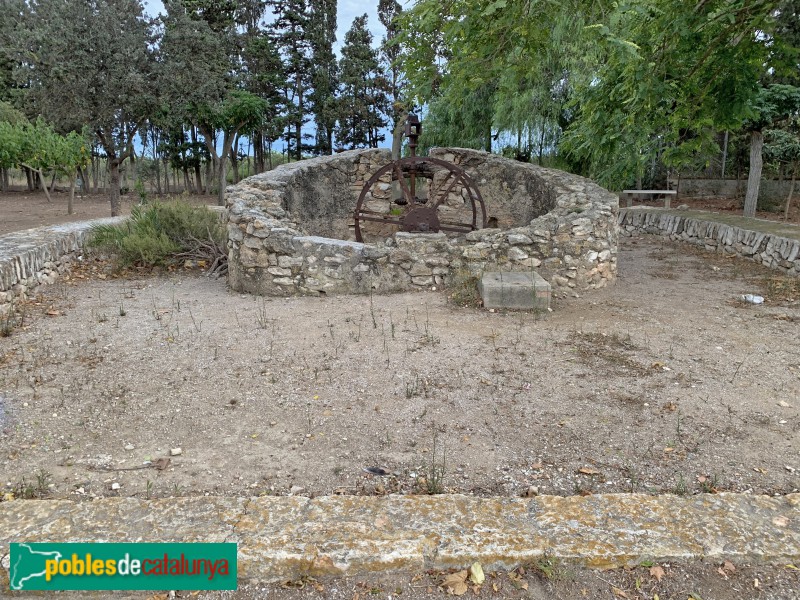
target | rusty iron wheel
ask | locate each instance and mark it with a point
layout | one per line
(421, 214)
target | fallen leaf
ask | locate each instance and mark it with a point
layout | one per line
(456, 583)
(702, 478)
(723, 573)
(728, 567)
(54, 313)
(476, 575)
(657, 572)
(655, 597)
(657, 365)
(618, 592)
(537, 465)
(671, 406)
(784, 404)
(588, 471)
(495, 587)
(759, 470)
(668, 449)
(416, 578)
(792, 567)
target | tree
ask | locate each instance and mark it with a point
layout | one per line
(197, 81)
(773, 104)
(391, 53)
(783, 147)
(485, 67)
(240, 111)
(92, 64)
(264, 76)
(291, 28)
(361, 100)
(322, 34)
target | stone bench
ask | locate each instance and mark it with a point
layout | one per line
(656, 194)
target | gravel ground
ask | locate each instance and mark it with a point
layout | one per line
(546, 580)
(172, 385)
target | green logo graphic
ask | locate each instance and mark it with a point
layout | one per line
(97, 566)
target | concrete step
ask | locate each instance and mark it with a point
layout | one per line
(522, 291)
(283, 538)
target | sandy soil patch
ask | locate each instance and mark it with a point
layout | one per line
(664, 383)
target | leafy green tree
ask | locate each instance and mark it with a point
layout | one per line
(91, 64)
(361, 101)
(197, 80)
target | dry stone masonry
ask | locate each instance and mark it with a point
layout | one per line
(773, 251)
(290, 230)
(37, 257)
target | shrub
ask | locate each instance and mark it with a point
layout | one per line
(165, 233)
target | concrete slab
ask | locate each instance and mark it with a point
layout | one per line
(523, 291)
(283, 538)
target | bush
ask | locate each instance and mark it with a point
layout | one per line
(164, 233)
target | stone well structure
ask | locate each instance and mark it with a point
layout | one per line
(290, 230)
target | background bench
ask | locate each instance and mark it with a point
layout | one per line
(655, 194)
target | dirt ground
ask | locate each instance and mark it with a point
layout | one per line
(544, 580)
(665, 383)
(24, 210)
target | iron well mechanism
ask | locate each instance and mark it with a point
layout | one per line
(420, 213)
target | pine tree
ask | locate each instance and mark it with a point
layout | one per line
(322, 33)
(291, 39)
(361, 102)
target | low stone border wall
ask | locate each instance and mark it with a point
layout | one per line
(38, 256)
(282, 538)
(773, 251)
(573, 244)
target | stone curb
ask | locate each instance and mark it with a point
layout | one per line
(771, 250)
(283, 538)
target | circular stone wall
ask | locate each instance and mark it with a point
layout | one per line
(290, 230)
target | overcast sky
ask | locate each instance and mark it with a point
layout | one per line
(347, 11)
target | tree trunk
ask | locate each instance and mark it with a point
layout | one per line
(235, 159)
(40, 174)
(791, 192)
(754, 178)
(397, 149)
(724, 154)
(71, 199)
(114, 185)
(221, 179)
(258, 152)
(95, 175)
(84, 180)
(29, 178)
(166, 175)
(53, 183)
(3, 179)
